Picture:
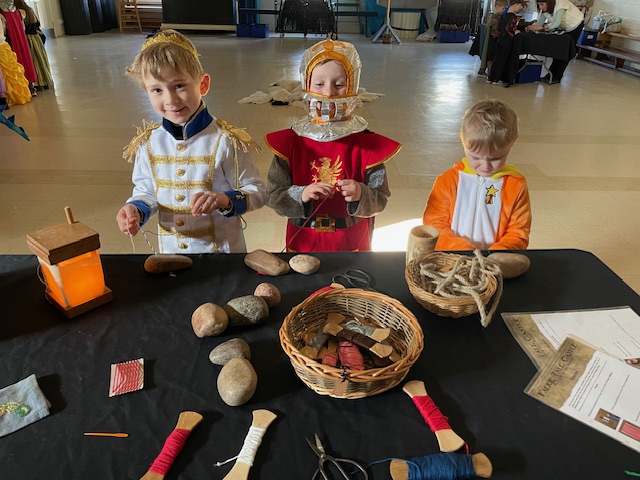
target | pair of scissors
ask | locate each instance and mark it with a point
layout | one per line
(355, 279)
(338, 463)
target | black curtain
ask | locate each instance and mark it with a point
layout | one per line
(109, 14)
(247, 18)
(76, 17)
(95, 15)
(465, 14)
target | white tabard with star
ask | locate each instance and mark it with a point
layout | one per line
(477, 211)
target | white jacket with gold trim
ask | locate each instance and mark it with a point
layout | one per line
(168, 172)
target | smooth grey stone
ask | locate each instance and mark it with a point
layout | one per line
(246, 310)
(234, 348)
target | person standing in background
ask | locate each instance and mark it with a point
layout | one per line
(16, 86)
(499, 8)
(558, 15)
(506, 59)
(18, 39)
(36, 46)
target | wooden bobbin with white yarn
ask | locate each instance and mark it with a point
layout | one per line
(244, 461)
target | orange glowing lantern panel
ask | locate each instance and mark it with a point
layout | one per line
(70, 264)
(75, 281)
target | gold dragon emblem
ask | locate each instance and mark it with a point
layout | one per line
(323, 170)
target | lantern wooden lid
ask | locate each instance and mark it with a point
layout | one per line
(60, 242)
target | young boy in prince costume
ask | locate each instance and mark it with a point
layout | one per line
(193, 170)
(328, 175)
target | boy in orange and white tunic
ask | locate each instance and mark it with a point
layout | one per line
(482, 202)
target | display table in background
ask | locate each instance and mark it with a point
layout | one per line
(542, 44)
(477, 376)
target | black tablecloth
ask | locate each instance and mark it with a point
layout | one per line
(543, 44)
(475, 375)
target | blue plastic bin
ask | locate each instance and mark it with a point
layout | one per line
(530, 73)
(260, 30)
(243, 30)
(588, 37)
(446, 36)
(453, 36)
(462, 36)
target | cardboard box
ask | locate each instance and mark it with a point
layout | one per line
(243, 30)
(260, 30)
(588, 37)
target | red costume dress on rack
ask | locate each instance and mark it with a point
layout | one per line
(347, 157)
(18, 40)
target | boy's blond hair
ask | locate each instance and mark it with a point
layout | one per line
(167, 48)
(489, 125)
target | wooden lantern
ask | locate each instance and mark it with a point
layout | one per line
(68, 256)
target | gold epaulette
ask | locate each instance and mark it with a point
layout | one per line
(240, 137)
(142, 134)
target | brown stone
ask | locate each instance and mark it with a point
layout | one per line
(209, 320)
(511, 264)
(264, 262)
(164, 262)
(270, 293)
(237, 382)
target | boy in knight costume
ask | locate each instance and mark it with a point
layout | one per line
(482, 202)
(193, 170)
(328, 175)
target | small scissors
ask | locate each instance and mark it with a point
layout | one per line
(318, 448)
(355, 279)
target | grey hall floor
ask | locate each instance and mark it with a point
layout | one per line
(578, 146)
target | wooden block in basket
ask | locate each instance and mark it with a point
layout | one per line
(406, 339)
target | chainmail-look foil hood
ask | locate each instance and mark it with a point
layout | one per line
(330, 118)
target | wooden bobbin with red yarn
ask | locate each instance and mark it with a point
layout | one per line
(187, 421)
(448, 440)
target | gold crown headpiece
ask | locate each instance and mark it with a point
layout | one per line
(173, 39)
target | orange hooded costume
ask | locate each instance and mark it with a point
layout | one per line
(492, 213)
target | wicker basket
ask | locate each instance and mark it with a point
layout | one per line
(455, 307)
(406, 338)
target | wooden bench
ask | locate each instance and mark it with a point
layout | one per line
(611, 56)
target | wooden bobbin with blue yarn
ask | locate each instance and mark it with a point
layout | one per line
(443, 466)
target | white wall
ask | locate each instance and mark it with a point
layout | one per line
(50, 16)
(629, 10)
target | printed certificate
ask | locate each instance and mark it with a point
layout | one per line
(615, 331)
(592, 387)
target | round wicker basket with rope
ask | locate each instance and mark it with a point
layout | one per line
(406, 338)
(453, 285)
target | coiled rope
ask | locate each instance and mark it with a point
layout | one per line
(469, 277)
